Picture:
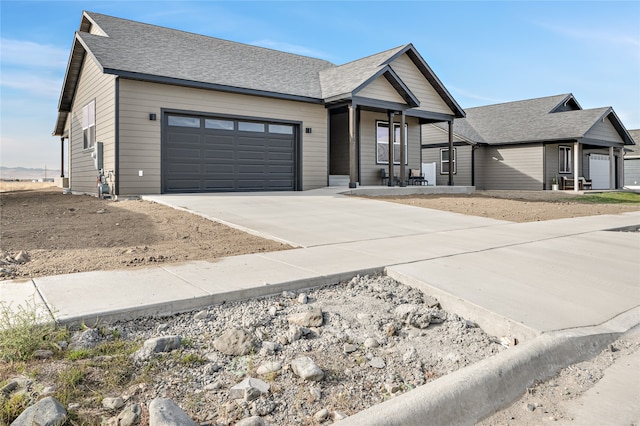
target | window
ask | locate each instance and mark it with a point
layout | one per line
(382, 143)
(282, 129)
(178, 121)
(444, 161)
(564, 159)
(89, 125)
(250, 127)
(218, 124)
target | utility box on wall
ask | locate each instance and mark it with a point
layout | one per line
(97, 155)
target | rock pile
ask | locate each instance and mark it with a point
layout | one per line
(297, 358)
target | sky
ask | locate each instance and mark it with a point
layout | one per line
(483, 52)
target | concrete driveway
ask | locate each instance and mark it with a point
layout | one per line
(319, 217)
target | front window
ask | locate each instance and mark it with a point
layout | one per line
(565, 159)
(382, 143)
(89, 125)
(444, 161)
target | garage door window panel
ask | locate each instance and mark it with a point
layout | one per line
(281, 129)
(178, 121)
(219, 124)
(245, 126)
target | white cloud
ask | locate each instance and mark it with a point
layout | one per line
(291, 48)
(34, 83)
(458, 92)
(28, 53)
(602, 36)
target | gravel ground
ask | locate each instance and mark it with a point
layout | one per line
(378, 339)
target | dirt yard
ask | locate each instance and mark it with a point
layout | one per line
(63, 234)
(45, 232)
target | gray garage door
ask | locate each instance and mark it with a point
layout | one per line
(203, 154)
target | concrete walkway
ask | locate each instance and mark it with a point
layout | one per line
(516, 280)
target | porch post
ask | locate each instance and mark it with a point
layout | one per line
(353, 154)
(612, 169)
(621, 169)
(403, 136)
(392, 134)
(576, 166)
(450, 153)
(62, 157)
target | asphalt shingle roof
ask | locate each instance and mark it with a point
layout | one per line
(145, 49)
(526, 121)
(635, 149)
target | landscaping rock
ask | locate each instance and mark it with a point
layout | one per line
(42, 354)
(86, 339)
(348, 348)
(251, 421)
(269, 367)
(321, 415)
(377, 362)
(157, 345)
(112, 403)
(234, 342)
(165, 412)
(130, 416)
(46, 412)
(312, 318)
(371, 343)
(239, 391)
(305, 368)
(303, 299)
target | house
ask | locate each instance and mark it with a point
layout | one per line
(155, 110)
(632, 162)
(529, 144)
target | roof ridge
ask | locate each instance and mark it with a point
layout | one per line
(374, 54)
(520, 101)
(209, 37)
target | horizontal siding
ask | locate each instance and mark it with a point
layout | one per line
(381, 89)
(430, 100)
(369, 169)
(517, 167)
(604, 131)
(463, 175)
(139, 135)
(92, 85)
(432, 134)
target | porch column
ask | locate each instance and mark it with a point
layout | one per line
(576, 166)
(612, 169)
(450, 153)
(403, 136)
(62, 157)
(621, 169)
(353, 152)
(392, 135)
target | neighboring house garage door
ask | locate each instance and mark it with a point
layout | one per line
(206, 154)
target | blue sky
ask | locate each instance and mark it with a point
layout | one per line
(483, 52)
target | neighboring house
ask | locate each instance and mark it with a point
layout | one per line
(180, 112)
(632, 162)
(526, 145)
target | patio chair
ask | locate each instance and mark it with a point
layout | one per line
(416, 177)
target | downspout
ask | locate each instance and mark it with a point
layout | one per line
(544, 166)
(116, 167)
(62, 157)
(473, 164)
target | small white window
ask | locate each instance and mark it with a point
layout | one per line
(382, 143)
(444, 161)
(564, 159)
(89, 125)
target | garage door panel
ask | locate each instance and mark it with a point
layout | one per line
(218, 154)
(208, 158)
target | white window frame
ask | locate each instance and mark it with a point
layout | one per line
(565, 159)
(383, 146)
(89, 125)
(444, 162)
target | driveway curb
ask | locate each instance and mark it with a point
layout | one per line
(475, 392)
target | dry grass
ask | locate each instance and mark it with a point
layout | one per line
(10, 186)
